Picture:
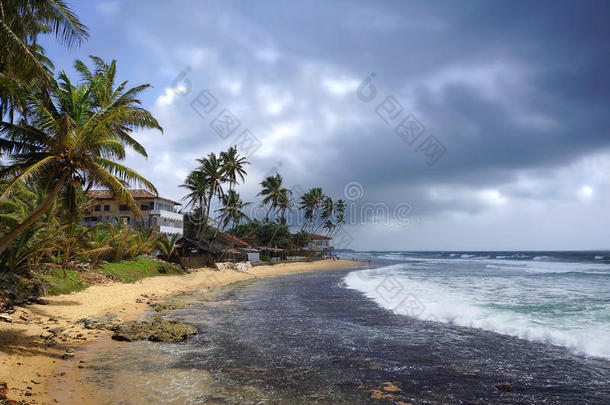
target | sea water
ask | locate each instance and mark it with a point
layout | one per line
(444, 327)
(556, 298)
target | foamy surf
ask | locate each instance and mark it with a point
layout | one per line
(564, 304)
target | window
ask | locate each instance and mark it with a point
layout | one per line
(106, 207)
(98, 207)
(123, 207)
(145, 206)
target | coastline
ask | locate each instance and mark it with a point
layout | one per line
(28, 360)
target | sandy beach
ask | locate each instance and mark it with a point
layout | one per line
(28, 359)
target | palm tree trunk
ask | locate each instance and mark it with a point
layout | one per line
(273, 236)
(6, 240)
(207, 213)
(200, 225)
(267, 214)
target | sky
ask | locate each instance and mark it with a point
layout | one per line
(475, 125)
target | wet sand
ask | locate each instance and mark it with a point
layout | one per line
(28, 361)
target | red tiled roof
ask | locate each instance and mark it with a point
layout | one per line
(314, 236)
(230, 239)
(136, 194)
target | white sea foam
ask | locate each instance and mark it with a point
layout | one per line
(498, 304)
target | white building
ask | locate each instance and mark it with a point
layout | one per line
(157, 212)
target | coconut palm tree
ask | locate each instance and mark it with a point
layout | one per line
(340, 217)
(284, 204)
(75, 139)
(232, 212)
(310, 203)
(22, 59)
(213, 172)
(167, 246)
(233, 165)
(274, 193)
(197, 198)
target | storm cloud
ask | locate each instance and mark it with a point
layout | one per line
(517, 93)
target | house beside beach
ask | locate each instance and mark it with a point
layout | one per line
(158, 213)
(319, 243)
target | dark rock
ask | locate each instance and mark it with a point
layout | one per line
(68, 354)
(167, 306)
(155, 329)
(504, 387)
(106, 322)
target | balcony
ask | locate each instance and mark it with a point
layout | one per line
(167, 229)
(167, 214)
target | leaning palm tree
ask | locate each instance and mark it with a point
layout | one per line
(340, 217)
(311, 203)
(233, 165)
(73, 140)
(273, 191)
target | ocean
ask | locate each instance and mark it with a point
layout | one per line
(560, 298)
(433, 327)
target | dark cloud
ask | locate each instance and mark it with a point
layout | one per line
(516, 91)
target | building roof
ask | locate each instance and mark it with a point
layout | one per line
(137, 194)
(313, 236)
(230, 239)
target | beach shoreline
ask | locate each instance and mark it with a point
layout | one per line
(31, 347)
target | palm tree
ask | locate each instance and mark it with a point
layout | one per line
(197, 198)
(274, 192)
(284, 204)
(340, 217)
(76, 139)
(232, 211)
(167, 245)
(310, 203)
(22, 59)
(214, 174)
(233, 165)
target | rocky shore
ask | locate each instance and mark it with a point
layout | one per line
(37, 338)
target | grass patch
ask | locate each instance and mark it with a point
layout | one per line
(133, 270)
(59, 283)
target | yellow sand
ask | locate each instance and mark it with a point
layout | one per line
(24, 355)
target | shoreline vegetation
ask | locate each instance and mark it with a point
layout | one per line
(42, 337)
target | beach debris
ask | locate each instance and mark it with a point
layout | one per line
(6, 318)
(239, 266)
(155, 329)
(106, 322)
(504, 387)
(3, 388)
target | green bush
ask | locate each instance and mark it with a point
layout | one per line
(130, 271)
(62, 281)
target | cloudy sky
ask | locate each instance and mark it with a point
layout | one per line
(478, 125)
